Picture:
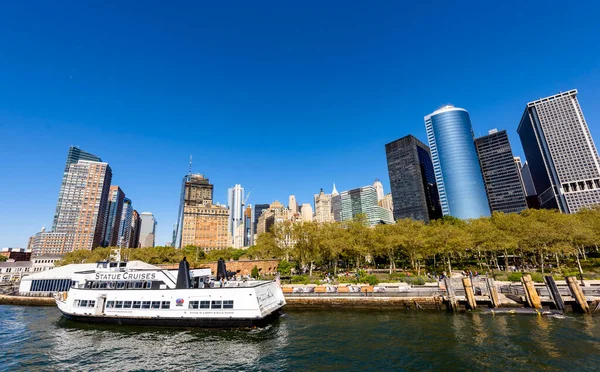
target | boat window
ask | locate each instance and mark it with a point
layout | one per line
(129, 285)
(137, 304)
(165, 305)
(119, 304)
(127, 305)
(83, 303)
(112, 285)
(227, 304)
(122, 264)
(156, 304)
(120, 285)
(92, 303)
(88, 284)
(145, 304)
(110, 304)
(94, 284)
(148, 285)
(75, 303)
(193, 304)
(205, 304)
(138, 285)
(103, 285)
(113, 264)
(215, 305)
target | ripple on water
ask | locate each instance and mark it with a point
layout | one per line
(40, 339)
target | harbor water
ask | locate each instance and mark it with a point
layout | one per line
(38, 338)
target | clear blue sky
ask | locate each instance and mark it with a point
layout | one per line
(281, 97)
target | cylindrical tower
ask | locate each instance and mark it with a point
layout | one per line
(457, 170)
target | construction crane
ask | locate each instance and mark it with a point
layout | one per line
(246, 199)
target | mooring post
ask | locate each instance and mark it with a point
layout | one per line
(577, 293)
(493, 291)
(451, 296)
(469, 293)
(533, 299)
(554, 293)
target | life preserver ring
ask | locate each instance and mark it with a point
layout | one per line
(64, 296)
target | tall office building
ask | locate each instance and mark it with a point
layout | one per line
(248, 226)
(379, 188)
(125, 224)
(336, 205)
(258, 211)
(147, 230)
(323, 212)
(136, 224)
(196, 191)
(73, 156)
(113, 217)
(306, 212)
(82, 207)
(455, 163)
(561, 154)
(501, 174)
(412, 180)
(292, 204)
(363, 200)
(205, 226)
(235, 202)
(387, 202)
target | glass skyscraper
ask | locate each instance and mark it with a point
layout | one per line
(363, 201)
(501, 173)
(561, 154)
(455, 163)
(412, 180)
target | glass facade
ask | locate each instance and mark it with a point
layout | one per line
(455, 163)
(363, 201)
(412, 180)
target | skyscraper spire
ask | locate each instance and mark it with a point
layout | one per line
(190, 170)
(334, 191)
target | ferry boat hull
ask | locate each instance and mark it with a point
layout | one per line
(178, 322)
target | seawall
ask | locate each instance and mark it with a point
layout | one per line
(27, 301)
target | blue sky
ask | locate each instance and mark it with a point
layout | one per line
(281, 97)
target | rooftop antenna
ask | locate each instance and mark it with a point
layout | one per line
(190, 170)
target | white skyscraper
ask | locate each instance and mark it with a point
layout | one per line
(235, 203)
(292, 204)
(307, 212)
(379, 188)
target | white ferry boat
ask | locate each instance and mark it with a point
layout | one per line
(114, 293)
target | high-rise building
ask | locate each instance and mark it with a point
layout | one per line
(196, 190)
(248, 226)
(323, 212)
(501, 174)
(306, 212)
(205, 226)
(530, 192)
(125, 224)
(412, 180)
(82, 208)
(364, 201)
(379, 188)
(257, 212)
(292, 204)
(113, 217)
(74, 155)
(387, 202)
(136, 224)
(147, 230)
(235, 202)
(561, 154)
(336, 205)
(455, 163)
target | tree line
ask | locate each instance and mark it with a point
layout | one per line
(533, 237)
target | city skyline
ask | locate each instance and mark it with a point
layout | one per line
(281, 113)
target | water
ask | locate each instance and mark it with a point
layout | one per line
(38, 338)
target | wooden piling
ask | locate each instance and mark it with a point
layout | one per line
(533, 299)
(554, 293)
(469, 293)
(452, 303)
(577, 293)
(493, 291)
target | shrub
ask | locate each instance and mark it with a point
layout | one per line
(514, 277)
(370, 279)
(285, 268)
(415, 280)
(299, 279)
(537, 277)
(255, 274)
